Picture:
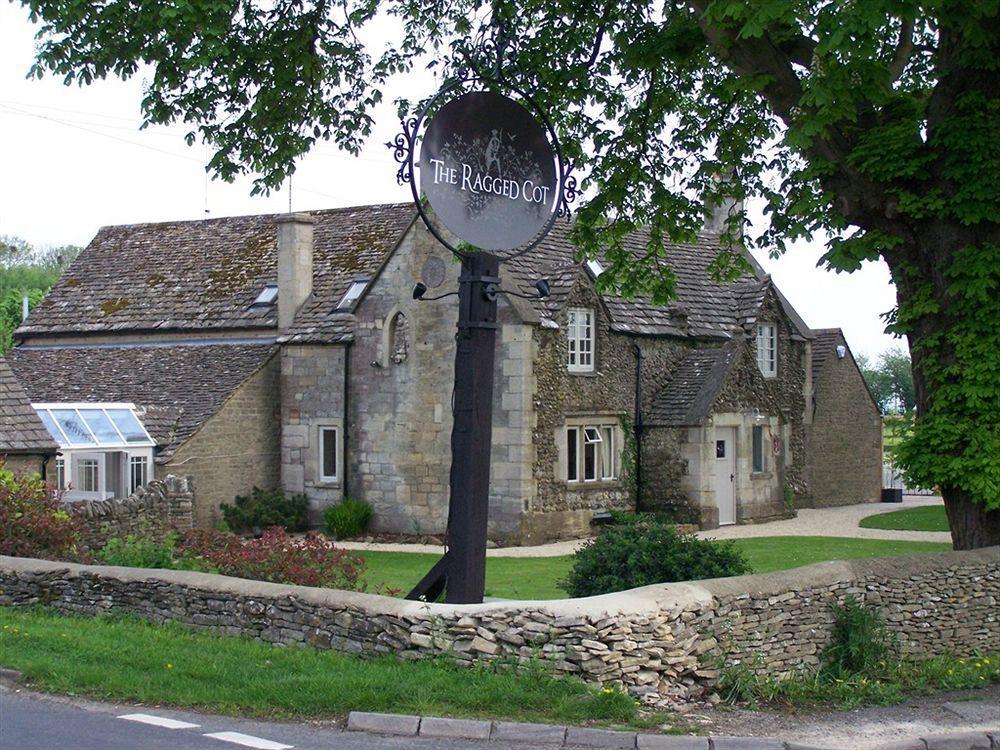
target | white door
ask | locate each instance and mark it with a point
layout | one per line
(725, 474)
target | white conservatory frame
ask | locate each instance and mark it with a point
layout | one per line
(110, 434)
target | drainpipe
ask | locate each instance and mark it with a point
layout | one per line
(343, 439)
(638, 426)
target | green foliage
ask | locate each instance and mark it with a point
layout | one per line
(890, 381)
(348, 518)
(262, 509)
(860, 642)
(644, 552)
(147, 551)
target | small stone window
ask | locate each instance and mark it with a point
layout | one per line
(758, 449)
(398, 341)
(328, 454)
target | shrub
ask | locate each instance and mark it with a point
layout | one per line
(644, 552)
(349, 518)
(262, 509)
(310, 560)
(860, 643)
(32, 521)
(146, 551)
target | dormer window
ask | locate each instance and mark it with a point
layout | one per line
(267, 297)
(354, 292)
(767, 349)
(580, 343)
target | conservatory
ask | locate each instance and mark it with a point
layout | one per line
(104, 451)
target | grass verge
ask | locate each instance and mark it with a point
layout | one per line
(537, 577)
(124, 658)
(890, 683)
(924, 518)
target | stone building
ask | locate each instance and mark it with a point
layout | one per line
(289, 351)
(25, 445)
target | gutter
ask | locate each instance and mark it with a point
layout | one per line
(347, 397)
(638, 426)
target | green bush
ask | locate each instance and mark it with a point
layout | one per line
(860, 643)
(264, 509)
(349, 518)
(33, 523)
(644, 551)
(140, 551)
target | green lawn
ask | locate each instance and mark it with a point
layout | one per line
(127, 659)
(925, 518)
(536, 577)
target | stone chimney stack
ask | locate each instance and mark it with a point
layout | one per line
(295, 265)
(716, 214)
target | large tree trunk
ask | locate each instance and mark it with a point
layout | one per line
(972, 526)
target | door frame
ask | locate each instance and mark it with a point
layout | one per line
(729, 435)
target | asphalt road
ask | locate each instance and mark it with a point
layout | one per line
(30, 721)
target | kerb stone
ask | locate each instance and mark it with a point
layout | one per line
(461, 728)
(746, 743)
(963, 741)
(400, 724)
(604, 738)
(670, 742)
(533, 734)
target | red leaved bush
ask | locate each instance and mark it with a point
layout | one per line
(32, 521)
(276, 556)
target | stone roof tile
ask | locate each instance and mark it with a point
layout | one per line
(21, 430)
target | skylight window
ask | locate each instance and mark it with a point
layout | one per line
(267, 296)
(353, 293)
(595, 267)
(94, 425)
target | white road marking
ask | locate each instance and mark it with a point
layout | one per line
(248, 740)
(159, 721)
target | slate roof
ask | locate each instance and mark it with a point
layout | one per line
(204, 275)
(197, 275)
(21, 431)
(703, 308)
(825, 341)
(687, 398)
(175, 388)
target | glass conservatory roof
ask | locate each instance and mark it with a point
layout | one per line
(94, 425)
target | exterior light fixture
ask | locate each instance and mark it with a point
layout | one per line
(542, 285)
(419, 290)
(841, 351)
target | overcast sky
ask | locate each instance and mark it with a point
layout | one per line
(73, 159)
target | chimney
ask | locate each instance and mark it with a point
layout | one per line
(295, 264)
(717, 214)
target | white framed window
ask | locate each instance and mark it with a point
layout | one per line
(88, 474)
(267, 297)
(353, 294)
(328, 451)
(138, 472)
(591, 453)
(767, 349)
(580, 343)
(60, 474)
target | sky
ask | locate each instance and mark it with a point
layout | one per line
(73, 159)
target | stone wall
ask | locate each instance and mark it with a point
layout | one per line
(158, 507)
(400, 420)
(844, 441)
(28, 463)
(235, 449)
(661, 643)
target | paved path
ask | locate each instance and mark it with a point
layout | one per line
(841, 521)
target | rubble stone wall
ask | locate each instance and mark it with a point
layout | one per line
(662, 643)
(160, 506)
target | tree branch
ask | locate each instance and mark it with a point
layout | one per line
(904, 49)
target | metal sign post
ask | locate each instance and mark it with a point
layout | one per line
(494, 177)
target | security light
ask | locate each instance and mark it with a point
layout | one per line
(419, 290)
(542, 285)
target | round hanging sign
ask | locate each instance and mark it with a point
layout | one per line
(488, 170)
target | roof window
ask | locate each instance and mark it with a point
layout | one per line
(354, 292)
(267, 296)
(94, 425)
(595, 266)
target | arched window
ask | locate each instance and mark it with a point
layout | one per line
(398, 343)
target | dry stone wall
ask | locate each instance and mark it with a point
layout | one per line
(661, 643)
(158, 507)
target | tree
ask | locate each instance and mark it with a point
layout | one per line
(875, 124)
(26, 271)
(890, 381)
